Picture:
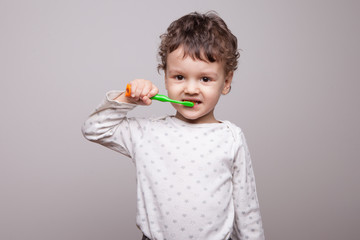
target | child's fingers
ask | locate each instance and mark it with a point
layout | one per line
(146, 89)
(137, 91)
(154, 90)
(146, 100)
(141, 91)
(149, 91)
(132, 88)
(131, 92)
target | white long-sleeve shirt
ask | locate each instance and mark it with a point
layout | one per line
(194, 181)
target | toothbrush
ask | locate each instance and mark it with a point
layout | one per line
(161, 98)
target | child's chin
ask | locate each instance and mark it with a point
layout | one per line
(189, 115)
(186, 117)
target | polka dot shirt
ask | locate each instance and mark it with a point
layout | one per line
(194, 181)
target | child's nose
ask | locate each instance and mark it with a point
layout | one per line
(191, 87)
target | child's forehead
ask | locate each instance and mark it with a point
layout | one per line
(198, 54)
(178, 61)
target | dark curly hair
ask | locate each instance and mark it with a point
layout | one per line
(203, 36)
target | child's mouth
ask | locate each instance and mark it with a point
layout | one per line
(195, 101)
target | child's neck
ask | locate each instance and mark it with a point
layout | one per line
(209, 118)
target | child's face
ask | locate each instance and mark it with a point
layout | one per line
(197, 81)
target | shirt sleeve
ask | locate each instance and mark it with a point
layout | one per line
(109, 126)
(248, 223)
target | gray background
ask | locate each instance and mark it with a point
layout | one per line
(295, 95)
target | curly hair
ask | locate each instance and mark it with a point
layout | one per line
(203, 36)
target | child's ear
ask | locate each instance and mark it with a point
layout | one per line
(227, 85)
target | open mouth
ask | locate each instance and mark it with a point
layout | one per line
(196, 102)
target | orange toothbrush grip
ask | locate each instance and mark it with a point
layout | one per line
(128, 90)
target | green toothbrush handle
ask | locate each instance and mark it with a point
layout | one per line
(164, 98)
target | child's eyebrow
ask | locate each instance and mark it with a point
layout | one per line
(174, 71)
(209, 73)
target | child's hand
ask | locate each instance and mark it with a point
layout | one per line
(141, 92)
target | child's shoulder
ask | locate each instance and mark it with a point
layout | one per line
(233, 126)
(236, 131)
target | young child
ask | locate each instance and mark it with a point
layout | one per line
(194, 173)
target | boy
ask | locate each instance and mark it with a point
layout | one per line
(194, 174)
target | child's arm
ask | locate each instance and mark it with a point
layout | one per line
(248, 223)
(108, 124)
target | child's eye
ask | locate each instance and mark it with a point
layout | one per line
(205, 79)
(179, 77)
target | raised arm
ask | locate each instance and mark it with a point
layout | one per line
(108, 125)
